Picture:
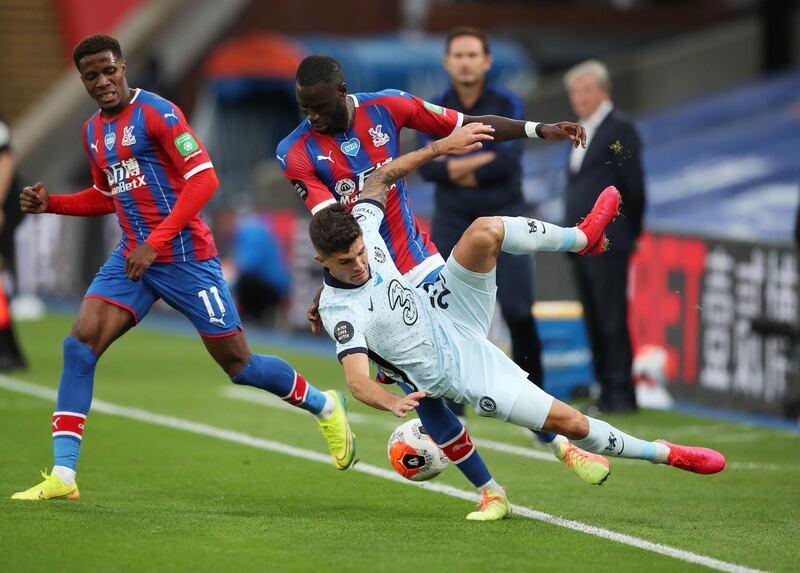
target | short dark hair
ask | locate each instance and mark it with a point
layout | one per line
(319, 69)
(95, 44)
(467, 31)
(333, 230)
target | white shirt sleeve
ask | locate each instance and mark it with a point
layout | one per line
(346, 325)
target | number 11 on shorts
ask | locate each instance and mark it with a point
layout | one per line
(203, 294)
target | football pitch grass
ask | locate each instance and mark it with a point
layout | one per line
(181, 470)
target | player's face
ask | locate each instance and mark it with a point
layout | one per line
(351, 267)
(466, 62)
(324, 106)
(586, 95)
(103, 76)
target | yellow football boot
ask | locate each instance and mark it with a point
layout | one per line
(591, 468)
(337, 433)
(492, 507)
(53, 487)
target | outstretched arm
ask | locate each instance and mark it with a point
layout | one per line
(462, 140)
(364, 389)
(507, 129)
(35, 199)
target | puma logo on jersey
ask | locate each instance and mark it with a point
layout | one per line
(326, 157)
(282, 159)
(171, 114)
(94, 146)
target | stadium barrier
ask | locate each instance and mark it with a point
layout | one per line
(566, 356)
(725, 311)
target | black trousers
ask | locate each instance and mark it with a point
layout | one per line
(258, 300)
(602, 284)
(13, 216)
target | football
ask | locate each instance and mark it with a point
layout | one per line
(414, 454)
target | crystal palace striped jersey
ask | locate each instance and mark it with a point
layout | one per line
(324, 168)
(142, 158)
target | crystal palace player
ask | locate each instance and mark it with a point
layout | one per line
(435, 339)
(149, 168)
(328, 159)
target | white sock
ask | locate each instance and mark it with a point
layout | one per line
(327, 409)
(555, 443)
(66, 474)
(662, 453)
(524, 236)
(605, 439)
(491, 485)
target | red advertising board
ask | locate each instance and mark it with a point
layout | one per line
(703, 300)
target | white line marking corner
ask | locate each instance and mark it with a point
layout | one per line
(140, 415)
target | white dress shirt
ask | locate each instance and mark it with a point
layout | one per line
(590, 124)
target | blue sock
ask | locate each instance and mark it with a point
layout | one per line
(451, 436)
(274, 375)
(74, 399)
(545, 437)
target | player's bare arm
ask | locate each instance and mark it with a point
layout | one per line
(34, 199)
(507, 129)
(364, 389)
(312, 314)
(469, 138)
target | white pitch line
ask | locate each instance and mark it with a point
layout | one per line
(140, 415)
(759, 466)
(254, 396)
(514, 450)
(262, 398)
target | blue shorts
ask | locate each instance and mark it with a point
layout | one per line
(196, 289)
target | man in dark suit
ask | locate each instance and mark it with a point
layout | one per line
(612, 157)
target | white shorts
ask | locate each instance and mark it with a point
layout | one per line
(486, 378)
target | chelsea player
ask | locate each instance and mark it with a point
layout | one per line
(434, 339)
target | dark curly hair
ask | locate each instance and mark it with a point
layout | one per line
(318, 69)
(95, 44)
(333, 230)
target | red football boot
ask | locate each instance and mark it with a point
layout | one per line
(605, 210)
(694, 459)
